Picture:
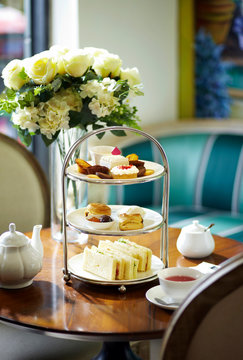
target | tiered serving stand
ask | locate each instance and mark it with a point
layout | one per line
(72, 266)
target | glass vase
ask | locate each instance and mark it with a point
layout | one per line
(76, 191)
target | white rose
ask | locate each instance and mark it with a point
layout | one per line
(42, 67)
(107, 65)
(76, 62)
(58, 52)
(131, 75)
(95, 51)
(10, 74)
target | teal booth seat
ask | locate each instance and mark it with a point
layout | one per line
(206, 182)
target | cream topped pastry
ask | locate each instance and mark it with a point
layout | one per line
(110, 161)
(124, 172)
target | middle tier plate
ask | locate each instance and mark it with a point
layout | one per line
(151, 220)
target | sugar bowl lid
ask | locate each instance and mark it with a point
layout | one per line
(13, 238)
(195, 227)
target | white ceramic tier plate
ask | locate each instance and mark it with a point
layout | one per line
(157, 292)
(72, 171)
(76, 218)
(75, 266)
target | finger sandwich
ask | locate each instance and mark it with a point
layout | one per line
(103, 263)
(130, 263)
(144, 253)
(98, 263)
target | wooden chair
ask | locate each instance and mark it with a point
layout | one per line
(25, 200)
(209, 323)
(24, 190)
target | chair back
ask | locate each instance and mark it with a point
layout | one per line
(209, 323)
(24, 190)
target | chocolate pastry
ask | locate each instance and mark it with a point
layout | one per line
(97, 168)
(136, 163)
(141, 171)
(103, 175)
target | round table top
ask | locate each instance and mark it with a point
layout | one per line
(94, 312)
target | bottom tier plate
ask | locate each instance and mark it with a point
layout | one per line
(75, 265)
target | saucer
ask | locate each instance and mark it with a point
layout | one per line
(157, 292)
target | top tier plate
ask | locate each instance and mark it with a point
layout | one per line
(72, 173)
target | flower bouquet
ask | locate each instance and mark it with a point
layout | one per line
(61, 93)
(60, 89)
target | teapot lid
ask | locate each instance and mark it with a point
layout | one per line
(194, 227)
(13, 238)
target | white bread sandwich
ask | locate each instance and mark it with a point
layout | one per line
(144, 254)
(130, 262)
(131, 218)
(120, 265)
(98, 263)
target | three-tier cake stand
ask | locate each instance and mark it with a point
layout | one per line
(72, 268)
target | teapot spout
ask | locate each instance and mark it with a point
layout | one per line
(36, 239)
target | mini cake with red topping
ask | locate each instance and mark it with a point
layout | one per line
(124, 172)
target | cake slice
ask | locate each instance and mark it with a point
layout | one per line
(130, 263)
(111, 161)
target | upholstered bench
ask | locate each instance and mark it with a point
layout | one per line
(206, 182)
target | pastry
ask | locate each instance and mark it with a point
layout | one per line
(131, 218)
(96, 212)
(124, 172)
(110, 161)
(97, 168)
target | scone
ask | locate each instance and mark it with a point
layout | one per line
(95, 212)
(124, 172)
(131, 218)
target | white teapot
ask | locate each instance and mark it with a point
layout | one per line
(20, 257)
(195, 241)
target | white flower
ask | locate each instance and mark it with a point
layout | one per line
(58, 52)
(95, 51)
(26, 118)
(107, 65)
(54, 121)
(94, 87)
(90, 89)
(76, 62)
(131, 75)
(41, 67)
(10, 74)
(103, 105)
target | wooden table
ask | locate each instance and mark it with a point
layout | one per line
(90, 312)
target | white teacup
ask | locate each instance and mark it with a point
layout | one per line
(178, 282)
(97, 152)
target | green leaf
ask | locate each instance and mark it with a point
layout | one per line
(47, 141)
(121, 90)
(11, 94)
(90, 75)
(118, 132)
(96, 127)
(75, 118)
(23, 74)
(24, 136)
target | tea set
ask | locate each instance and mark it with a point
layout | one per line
(20, 257)
(21, 260)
